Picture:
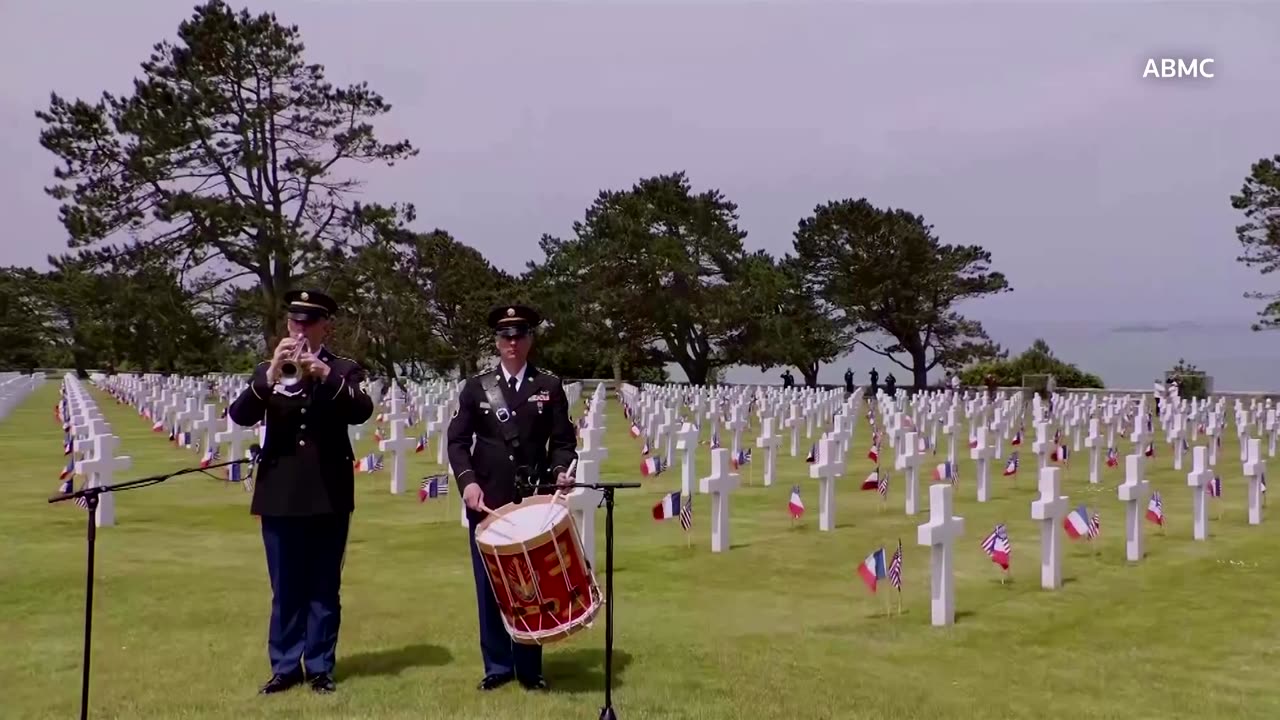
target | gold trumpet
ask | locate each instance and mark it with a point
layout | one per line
(290, 372)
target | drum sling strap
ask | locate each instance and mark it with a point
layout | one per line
(510, 433)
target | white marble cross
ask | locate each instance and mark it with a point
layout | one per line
(1175, 438)
(99, 470)
(582, 503)
(909, 460)
(687, 443)
(949, 429)
(235, 435)
(1198, 480)
(666, 433)
(828, 467)
(1133, 492)
(1255, 469)
(719, 484)
(770, 442)
(940, 534)
(398, 444)
(1049, 510)
(982, 454)
(793, 425)
(1093, 442)
(737, 423)
(1040, 446)
(204, 425)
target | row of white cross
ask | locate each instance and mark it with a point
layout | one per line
(93, 446)
(14, 388)
(179, 403)
(943, 528)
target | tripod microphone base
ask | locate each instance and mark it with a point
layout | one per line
(607, 713)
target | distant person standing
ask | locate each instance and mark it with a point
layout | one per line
(788, 380)
(890, 385)
(848, 381)
(875, 381)
(955, 382)
(990, 381)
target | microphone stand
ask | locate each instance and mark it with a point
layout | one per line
(87, 497)
(607, 712)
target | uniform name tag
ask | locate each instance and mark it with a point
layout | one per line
(484, 406)
(542, 397)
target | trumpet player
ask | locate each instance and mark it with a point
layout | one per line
(305, 489)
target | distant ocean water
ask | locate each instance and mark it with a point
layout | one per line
(1238, 359)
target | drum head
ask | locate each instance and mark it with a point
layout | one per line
(519, 523)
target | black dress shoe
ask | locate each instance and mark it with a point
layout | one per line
(280, 683)
(537, 682)
(493, 682)
(323, 683)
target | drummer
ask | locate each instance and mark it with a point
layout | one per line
(539, 446)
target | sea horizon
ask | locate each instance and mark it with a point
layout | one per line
(1126, 355)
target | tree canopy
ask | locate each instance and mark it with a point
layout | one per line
(225, 161)
(1035, 360)
(226, 177)
(884, 271)
(1259, 235)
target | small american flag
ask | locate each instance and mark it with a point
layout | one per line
(433, 486)
(895, 568)
(1095, 525)
(686, 514)
(882, 484)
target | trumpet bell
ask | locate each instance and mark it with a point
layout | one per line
(290, 373)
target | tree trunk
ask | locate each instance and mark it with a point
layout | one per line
(920, 364)
(696, 369)
(810, 373)
(617, 366)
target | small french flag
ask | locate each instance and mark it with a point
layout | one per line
(668, 507)
(652, 466)
(1011, 467)
(795, 505)
(1076, 523)
(873, 569)
(872, 482)
(874, 454)
(945, 471)
(1155, 510)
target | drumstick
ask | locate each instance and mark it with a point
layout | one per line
(501, 516)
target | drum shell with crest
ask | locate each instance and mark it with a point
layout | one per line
(539, 575)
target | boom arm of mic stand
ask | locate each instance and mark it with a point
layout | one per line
(140, 482)
(593, 486)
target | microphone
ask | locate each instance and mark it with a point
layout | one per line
(255, 455)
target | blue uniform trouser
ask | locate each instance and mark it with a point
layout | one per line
(304, 560)
(502, 655)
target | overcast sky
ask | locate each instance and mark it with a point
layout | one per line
(1025, 127)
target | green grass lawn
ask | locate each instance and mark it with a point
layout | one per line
(778, 627)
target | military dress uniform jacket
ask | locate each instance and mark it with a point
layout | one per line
(540, 411)
(307, 465)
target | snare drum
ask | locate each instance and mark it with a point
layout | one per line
(537, 570)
